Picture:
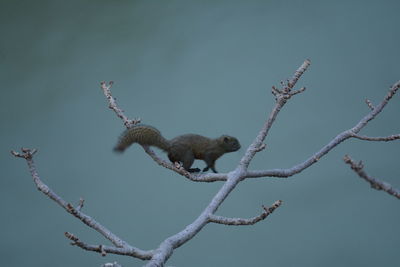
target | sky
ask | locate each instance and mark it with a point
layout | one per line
(203, 67)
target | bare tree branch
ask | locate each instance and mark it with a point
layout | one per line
(160, 255)
(166, 248)
(118, 242)
(240, 221)
(113, 105)
(180, 170)
(103, 249)
(282, 95)
(333, 143)
(375, 183)
(378, 138)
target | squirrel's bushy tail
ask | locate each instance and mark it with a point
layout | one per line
(143, 135)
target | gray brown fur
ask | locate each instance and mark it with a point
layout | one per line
(184, 148)
(141, 134)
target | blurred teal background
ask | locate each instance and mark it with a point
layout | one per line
(204, 67)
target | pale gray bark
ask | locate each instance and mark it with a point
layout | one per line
(160, 255)
(375, 183)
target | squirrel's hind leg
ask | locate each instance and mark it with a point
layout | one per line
(186, 160)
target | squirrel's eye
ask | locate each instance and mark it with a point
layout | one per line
(226, 139)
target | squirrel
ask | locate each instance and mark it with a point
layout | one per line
(184, 148)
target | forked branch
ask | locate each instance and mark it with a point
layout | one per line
(121, 247)
(375, 183)
(350, 133)
(167, 247)
(160, 255)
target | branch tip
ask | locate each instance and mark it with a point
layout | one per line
(102, 251)
(274, 206)
(299, 72)
(261, 147)
(287, 87)
(113, 105)
(80, 204)
(14, 153)
(71, 237)
(295, 92)
(375, 183)
(275, 91)
(369, 104)
(27, 153)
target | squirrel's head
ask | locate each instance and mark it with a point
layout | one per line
(229, 143)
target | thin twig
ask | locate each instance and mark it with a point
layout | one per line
(297, 75)
(113, 105)
(369, 104)
(103, 249)
(80, 205)
(377, 138)
(295, 92)
(375, 183)
(261, 147)
(240, 221)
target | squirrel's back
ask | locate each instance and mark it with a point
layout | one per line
(198, 144)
